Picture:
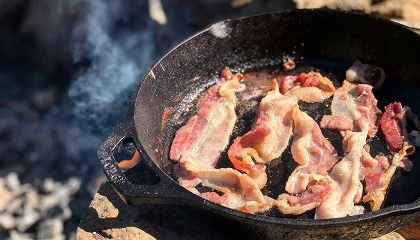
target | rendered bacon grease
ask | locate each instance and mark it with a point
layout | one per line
(335, 186)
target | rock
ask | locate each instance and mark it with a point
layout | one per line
(66, 212)
(411, 231)
(364, 5)
(411, 10)
(12, 181)
(48, 185)
(28, 218)
(389, 8)
(15, 206)
(7, 221)
(108, 217)
(6, 196)
(14, 235)
(390, 236)
(43, 206)
(33, 198)
(51, 229)
(49, 202)
(73, 184)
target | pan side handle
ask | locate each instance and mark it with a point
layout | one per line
(165, 191)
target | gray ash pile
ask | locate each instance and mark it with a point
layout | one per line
(36, 210)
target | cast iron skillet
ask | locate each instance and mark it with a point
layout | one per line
(327, 39)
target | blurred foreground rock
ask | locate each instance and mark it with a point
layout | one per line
(363, 5)
(108, 217)
(407, 11)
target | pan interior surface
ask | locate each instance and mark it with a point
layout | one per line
(401, 190)
(170, 92)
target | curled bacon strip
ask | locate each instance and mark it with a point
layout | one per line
(308, 87)
(357, 104)
(378, 180)
(314, 153)
(207, 133)
(316, 156)
(239, 191)
(354, 107)
(347, 188)
(393, 125)
(197, 146)
(268, 137)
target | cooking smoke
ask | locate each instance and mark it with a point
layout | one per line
(117, 50)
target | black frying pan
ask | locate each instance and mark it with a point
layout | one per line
(323, 39)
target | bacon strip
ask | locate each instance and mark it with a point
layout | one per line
(342, 123)
(377, 182)
(240, 192)
(197, 147)
(393, 125)
(354, 102)
(316, 156)
(314, 153)
(207, 133)
(308, 87)
(347, 187)
(268, 137)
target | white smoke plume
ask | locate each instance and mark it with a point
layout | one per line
(117, 57)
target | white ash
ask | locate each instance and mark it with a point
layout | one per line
(51, 229)
(356, 210)
(26, 206)
(220, 29)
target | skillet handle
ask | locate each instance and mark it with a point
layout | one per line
(166, 191)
